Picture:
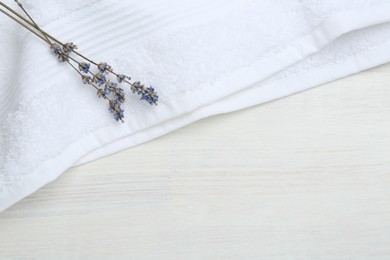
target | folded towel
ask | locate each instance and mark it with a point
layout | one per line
(203, 57)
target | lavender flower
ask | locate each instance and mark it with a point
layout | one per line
(104, 67)
(119, 95)
(115, 108)
(119, 115)
(56, 48)
(110, 86)
(69, 47)
(86, 79)
(84, 67)
(136, 87)
(100, 93)
(99, 79)
(62, 57)
(120, 78)
(107, 87)
(150, 96)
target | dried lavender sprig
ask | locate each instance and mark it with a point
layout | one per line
(114, 105)
(148, 94)
(64, 55)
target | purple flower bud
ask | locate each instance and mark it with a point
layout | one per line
(86, 79)
(99, 79)
(116, 110)
(56, 48)
(104, 67)
(69, 47)
(122, 78)
(150, 96)
(84, 67)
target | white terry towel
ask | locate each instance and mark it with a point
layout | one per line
(203, 57)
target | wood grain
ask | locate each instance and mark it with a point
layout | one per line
(305, 177)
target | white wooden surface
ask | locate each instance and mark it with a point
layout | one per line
(305, 177)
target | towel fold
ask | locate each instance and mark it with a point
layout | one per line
(203, 57)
